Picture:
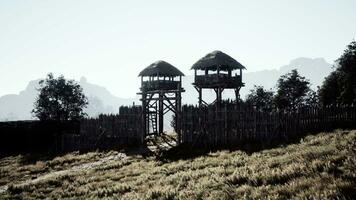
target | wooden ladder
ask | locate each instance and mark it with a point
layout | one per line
(153, 119)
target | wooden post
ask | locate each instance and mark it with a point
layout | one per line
(200, 96)
(218, 92)
(241, 74)
(144, 116)
(160, 113)
(179, 112)
(226, 139)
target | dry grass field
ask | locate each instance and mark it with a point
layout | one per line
(321, 166)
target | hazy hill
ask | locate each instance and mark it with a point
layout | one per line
(18, 106)
(313, 69)
(101, 100)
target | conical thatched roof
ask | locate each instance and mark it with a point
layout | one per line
(217, 58)
(161, 68)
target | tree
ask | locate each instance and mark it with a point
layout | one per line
(260, 98)
(292, 90)
(329, 92)
(59, 99)
(340, 85)
(312, 98)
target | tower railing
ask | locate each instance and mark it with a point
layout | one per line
(160, 85)
(214, 79)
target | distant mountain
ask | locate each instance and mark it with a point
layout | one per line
(101, 100)
(19, 106)
(313, 69)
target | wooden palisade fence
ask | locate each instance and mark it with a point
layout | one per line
(226, 126)
(107, 131)
(231, 124)
(104, 132)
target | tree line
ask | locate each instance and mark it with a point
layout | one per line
(293, 90)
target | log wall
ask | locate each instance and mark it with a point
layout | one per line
(229, 125)
(103, 132)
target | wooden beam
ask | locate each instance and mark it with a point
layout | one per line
(157, 98)
(169, 108)
(168, 99)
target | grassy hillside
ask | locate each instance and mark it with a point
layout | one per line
(320, 167)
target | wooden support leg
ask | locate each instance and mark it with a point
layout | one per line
(178, 117)
(218, 92)
(200, 96)
(144, 117)
(160, 113)
(237, 94)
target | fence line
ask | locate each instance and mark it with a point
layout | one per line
(107, 131)
(231, 124)
(228, 125)
(103, 132)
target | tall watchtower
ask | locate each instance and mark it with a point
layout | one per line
(161, 88)
(215, 71)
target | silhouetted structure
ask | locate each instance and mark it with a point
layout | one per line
(161, 88)
(217, 68)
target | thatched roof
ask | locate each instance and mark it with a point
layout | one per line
(217, 58)
(161, 68)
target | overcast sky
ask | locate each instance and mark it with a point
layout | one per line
(110, 42)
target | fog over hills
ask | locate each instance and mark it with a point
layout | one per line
(313, 69)
(19, 106)
(101, 100)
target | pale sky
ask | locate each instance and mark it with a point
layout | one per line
(110, 42)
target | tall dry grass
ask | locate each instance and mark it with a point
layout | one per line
(318, 167)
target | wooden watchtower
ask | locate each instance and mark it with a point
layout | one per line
(161, 88)
(215, 71)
